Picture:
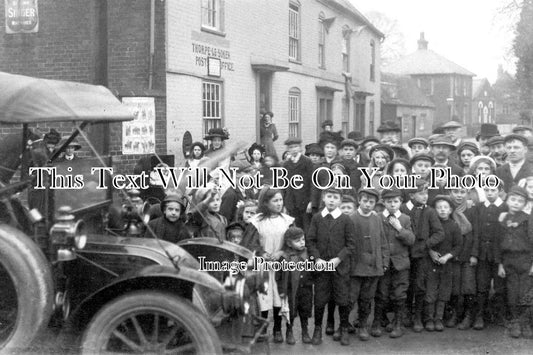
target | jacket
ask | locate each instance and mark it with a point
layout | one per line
(487, 230)
(399, 242)
(504, 173)
(298, 199)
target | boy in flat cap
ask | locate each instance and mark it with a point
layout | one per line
(429, 233)
(349, 151)
(331, 237)
(515, 256)
(394, 284)
(298, 201)
(370, 259)
(418, 145)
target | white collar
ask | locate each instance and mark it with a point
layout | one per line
(363, 214)
(409, 205)
(335, 213)
(498, 202)
(517, 165)
(397, 214)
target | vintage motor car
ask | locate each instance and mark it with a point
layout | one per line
(108, 293)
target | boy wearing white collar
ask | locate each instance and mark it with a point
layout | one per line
(392, 287)
(370, 259)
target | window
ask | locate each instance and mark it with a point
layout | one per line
(345, 115)
(212, 105)
(371, 116)
(325, 107)
(373, 62)
(321, 42)
(294, 112)
(346, 49)
(422, 122)
(294, 32)
(359, 117)
(426, 85)
(212, 14)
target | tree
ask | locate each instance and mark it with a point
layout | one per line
(523, 49)
(393, 47)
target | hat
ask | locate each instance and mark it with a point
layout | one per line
(518, 137)
(372, 192)
(348, 199)
(313, 148)
(356, 136)
(443, 140)
(73, 144)
(293, 233)
(216, 132)
(485, 158)
(234, 225)
(338, 165)
(421, 156)
(369, 139)
(330, 137)
(349, 142)
(487, 130)
(402, 161)
(517, 190)
(173, 197)
(332, 190)
(293, 140)
(495, 140)
(389, 126)
(418, 140)
(384, 148)
(258, 147)
(399, 151)
(326, 123)
(390, 193)
(268, 113)
(442, 198)
(522, 128)
(52, 137)
(468, 146)
(451, 124)
(438, 130)
(242, 166)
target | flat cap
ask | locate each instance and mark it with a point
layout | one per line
(495, 140)
(418, 140)
(390, 193)
(518, 137)
(349, 142)
(422, 156)
(372, 192)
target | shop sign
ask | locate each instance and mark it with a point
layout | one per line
(22, 16)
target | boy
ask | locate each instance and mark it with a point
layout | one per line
(296, 285)
(169, 226)
(348, 205)
(515, 255)
(429, 233)
(438, 271)
(421, 165)
(394, 284)
(370, 259)
(487, 234)
(234, 232)
(349, 150)
(418, 145)
(331, 237)
(205, 216)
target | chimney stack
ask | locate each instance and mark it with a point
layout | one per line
(422, 43)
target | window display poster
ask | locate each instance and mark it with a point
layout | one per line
(138, 136)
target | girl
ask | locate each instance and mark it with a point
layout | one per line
(484, 166)
(264, 235)
(196, 154)
(256, 153)
(246, 210)
(380, 156)
(465, 153)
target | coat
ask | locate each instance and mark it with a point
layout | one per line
(228, 204)
(372, 248)
(487, 231)
(170, 231)
(399, 242)
(515, 239)
(468, 238)
(504, 173)
(298, 199)
(426, 227)
(453, 240)
(327, 241)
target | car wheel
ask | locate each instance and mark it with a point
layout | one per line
(150, 322)
(26, 289)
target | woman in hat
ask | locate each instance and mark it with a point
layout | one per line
(465, 153)
(196, 154)
(70, 151)
(217, 136)
(484, 166)
(268, 134)
(256, 155)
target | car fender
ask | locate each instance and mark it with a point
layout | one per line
(199, 246)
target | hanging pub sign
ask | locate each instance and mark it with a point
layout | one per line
(22, 16)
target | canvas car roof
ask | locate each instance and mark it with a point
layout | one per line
(25, 99)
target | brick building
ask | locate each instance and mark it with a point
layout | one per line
(230, 60)
(448, 85)
(104, 42)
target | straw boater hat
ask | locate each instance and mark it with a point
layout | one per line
(475, 160)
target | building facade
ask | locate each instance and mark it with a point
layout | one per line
(448, 85)
(306, 61)
(483, 103)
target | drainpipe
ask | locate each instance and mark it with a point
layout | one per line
(152, 41)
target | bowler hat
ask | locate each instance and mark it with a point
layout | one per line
(487, 130)
(495, 140)
(384, 148)
(518, 137)
(418, 140)
(293, 140)
(327, 123)
(517, 190)
(422, 156)
(313, 148)
(388, 126)
(216, 132)
(390, 193)
(443, 140)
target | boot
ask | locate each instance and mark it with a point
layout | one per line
(337, 334)
(305, 335)
(466, 323)
(417, 323)
(289, 337)
(330, 325)
(479, 322)
(330, 328)
(375, 330)
(525, 322)
(430, 317)
(397, 330)
(278, 338)
(516, 330)
(439, 314)
(453, 312)
(364, 312)
(345, 336)
(317, 336)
